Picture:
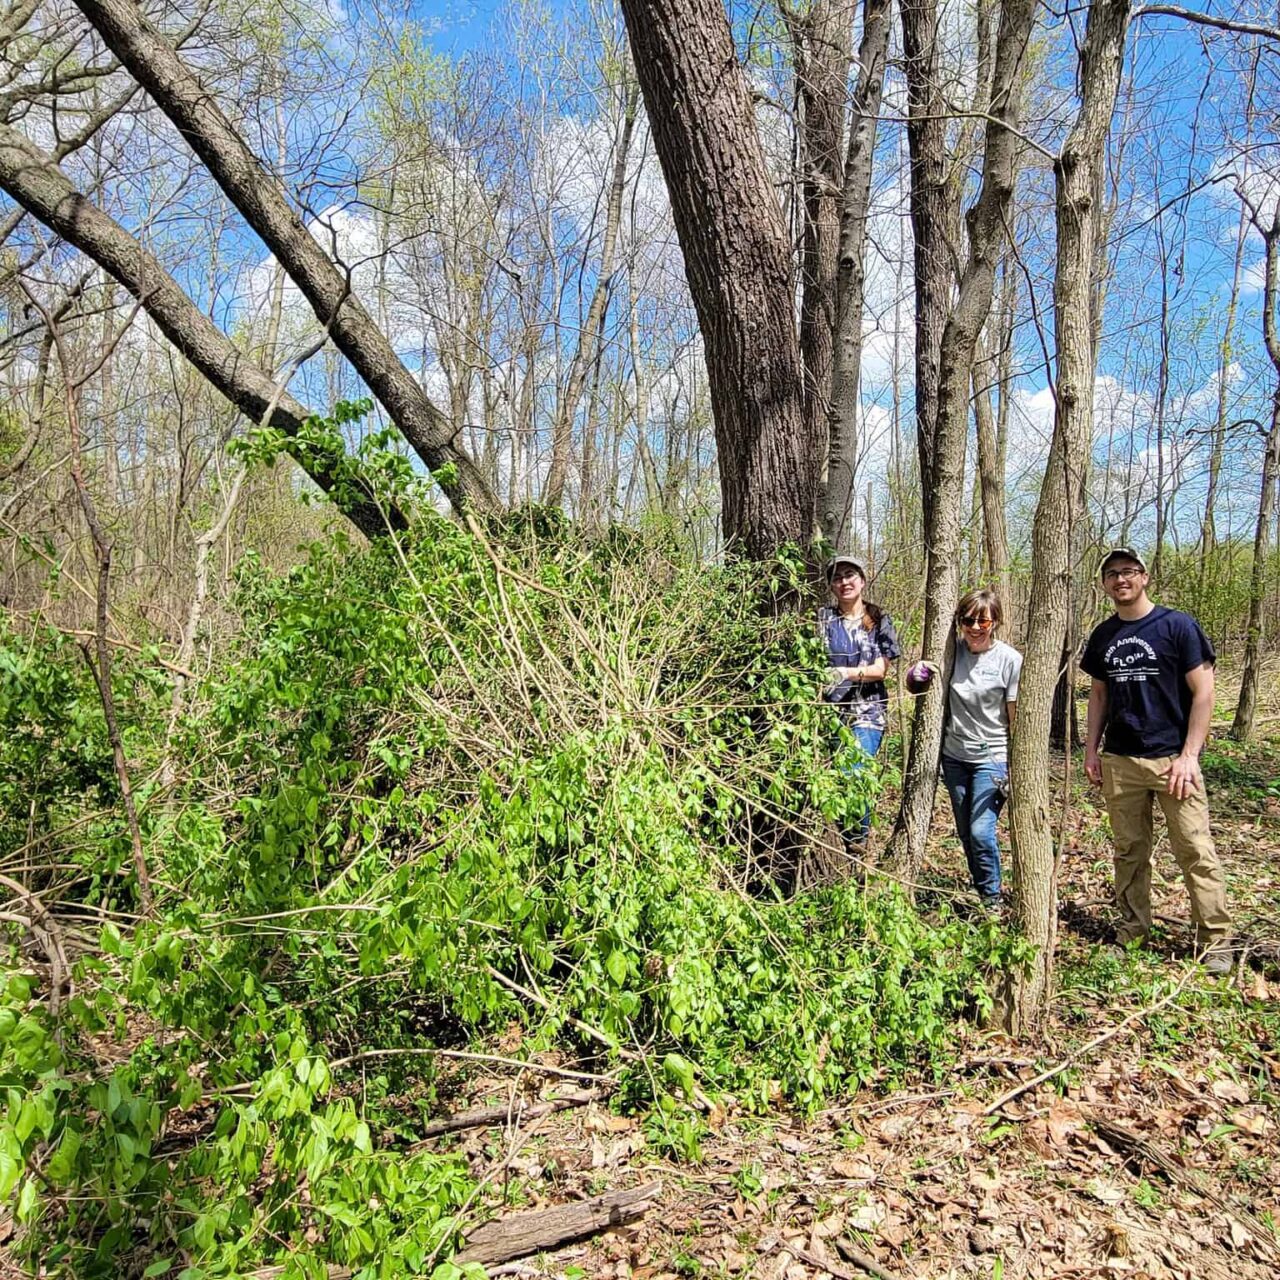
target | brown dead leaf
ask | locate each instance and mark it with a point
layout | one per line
(830, 1226)
(1253, 1123)
(789, 1142)
(1062, 1121)
(893, 1231)
(853, 1169)
(1227, 1090)
(891, 1128)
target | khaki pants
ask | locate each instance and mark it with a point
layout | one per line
(1129, 783)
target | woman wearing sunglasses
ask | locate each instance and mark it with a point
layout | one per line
(975, 748)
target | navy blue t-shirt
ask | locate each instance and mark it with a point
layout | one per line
(1145, 665)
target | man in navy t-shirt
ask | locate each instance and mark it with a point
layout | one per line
(1152, 698)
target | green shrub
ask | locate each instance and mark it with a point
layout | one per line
(436, 789)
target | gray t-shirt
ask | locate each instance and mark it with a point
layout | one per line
(981, 684)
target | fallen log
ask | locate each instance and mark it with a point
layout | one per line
(1147, 1154)
(483, 1117)
(535, 1231)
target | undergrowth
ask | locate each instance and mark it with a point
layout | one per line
(473, 783)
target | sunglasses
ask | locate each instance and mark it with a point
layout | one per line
(975, 623)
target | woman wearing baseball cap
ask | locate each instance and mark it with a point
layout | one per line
(861, 645)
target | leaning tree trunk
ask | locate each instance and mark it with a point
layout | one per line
(194, 111)
(986, 223)
(1079, 175)
(1246, 708)
(851, 272)
(737, 260)
(31, 178)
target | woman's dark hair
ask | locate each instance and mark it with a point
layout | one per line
(983, 600)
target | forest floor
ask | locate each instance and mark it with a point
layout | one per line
(1155, 1153)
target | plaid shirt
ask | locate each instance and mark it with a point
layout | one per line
(862, 704)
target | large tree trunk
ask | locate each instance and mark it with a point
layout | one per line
(194, 111)
(986, 221)
(1079, 175)
(584, 356)
(35, 182)
(1247, 706)
(738, 264)
(846, 372)
(821, 40)
(930, 218)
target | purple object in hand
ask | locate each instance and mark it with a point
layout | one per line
(919, 676)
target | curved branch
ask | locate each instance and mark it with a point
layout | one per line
(1208, 20)
(194, 111)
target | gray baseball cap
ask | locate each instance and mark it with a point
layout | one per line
(852, 561)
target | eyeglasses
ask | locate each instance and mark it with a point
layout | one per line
(842, 575)
(1122, 573)
(975, 623)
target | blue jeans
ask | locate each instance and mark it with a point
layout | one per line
(853, 763)
(976, 800)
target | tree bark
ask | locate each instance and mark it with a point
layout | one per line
(930, 218)
(194, 111)
(1079, 173)
(36, 183)
(821, 39)
(846, 372)
(991, 478)
(986, 221)
(738, 265)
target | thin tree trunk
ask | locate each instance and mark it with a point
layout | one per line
(584, 356)
(194, 111)
(1208, 523)
(990, 479)
(986, 221)
(1247, 706)
(851, 272)
(1079, 179)
(1162, 399)
(738, 264)
(99, 662)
